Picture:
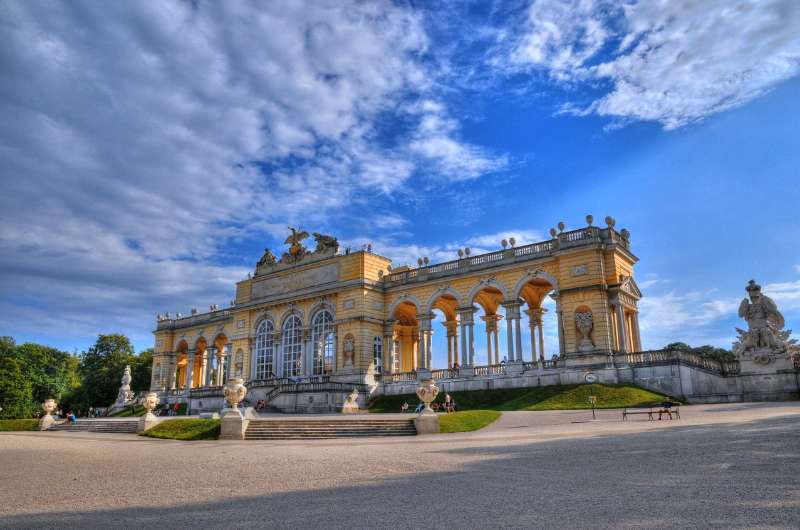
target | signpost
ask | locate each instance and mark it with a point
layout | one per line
(593, 401)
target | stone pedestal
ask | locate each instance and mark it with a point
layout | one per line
(46, 422)
(233, 425)
(427, 423)
(146, 422)
(514, 368)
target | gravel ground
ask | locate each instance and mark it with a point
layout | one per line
(720, 466)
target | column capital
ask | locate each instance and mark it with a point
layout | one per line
(451, 326)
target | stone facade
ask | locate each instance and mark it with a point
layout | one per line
(321, 313)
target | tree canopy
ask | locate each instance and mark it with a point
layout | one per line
(31, 373)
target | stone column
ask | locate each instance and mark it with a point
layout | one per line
(517, 337)
(560, 325)
(204, 370)
(488, 320)
(635, 324)
(541, 336)
(173, 368)
(189, 371)
(388, 347)
(623, 337)
(308, 354)
(463, 325)
(512, 356)
(421, 353)
(532, 325)
(471, 328)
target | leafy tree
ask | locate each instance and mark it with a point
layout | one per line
(706, 351)
(141, 367)
(101, 369)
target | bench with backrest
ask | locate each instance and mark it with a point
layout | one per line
(667, 408)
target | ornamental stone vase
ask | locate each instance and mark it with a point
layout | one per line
(150, 402)
(584, 321)
(49, 406)
(47, 420)
(427, 392)
(235, 392)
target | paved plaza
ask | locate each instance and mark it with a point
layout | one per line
(723, 466)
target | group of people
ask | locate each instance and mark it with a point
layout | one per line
(169, 410)
(261, 404)
(448, 406)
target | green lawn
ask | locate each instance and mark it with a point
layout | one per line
(19, 425)
(556, 397)
(467, 420)
(138, 410)
(188, 429)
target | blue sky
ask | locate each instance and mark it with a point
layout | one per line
(152, 150)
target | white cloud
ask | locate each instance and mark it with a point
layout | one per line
(785, 294)
(691, 317)
(138, 138)
(408, 254)
(670, 61)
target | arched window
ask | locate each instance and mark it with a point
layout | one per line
(292, 343)
(324, 341)
(265, 350)
(377, 354)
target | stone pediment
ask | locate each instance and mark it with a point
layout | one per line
(628, 286)
(295, 281)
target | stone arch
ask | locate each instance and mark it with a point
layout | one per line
(262, 317)
(403, 298)
(216, 341)
(289, 312)
(487, 283)
(321, 305)
(533, 275)
(201, 339)
(443, 291)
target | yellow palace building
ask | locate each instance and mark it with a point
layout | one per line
(324, 317)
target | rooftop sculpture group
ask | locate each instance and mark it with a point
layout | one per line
(326, 246)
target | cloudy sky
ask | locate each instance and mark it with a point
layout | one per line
(151, 150)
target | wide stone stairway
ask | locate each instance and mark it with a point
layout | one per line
(277, 429)
(113, 425)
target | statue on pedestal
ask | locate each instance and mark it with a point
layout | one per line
(124, 396)
(764, 341)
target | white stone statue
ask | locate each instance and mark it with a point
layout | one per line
(124, 396)
(764, 339)
(427, 392)
(351, 403)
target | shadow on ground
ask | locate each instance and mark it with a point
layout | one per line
(723, 476)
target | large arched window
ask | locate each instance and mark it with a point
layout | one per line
(377, 354)
(324, 342)
(265, 351)
(292, 346)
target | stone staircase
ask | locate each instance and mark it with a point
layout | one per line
(121, 425)
(327, 428)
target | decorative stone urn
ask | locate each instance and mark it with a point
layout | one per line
(427, 392)
(235, 392)
(584, 321)
(47, 420)
(150, 402)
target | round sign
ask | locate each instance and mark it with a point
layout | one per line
(590, 378)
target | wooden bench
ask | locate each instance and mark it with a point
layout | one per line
(669, 408)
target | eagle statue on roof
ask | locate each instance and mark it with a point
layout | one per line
(296, 248)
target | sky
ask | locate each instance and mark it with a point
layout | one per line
(152, 150)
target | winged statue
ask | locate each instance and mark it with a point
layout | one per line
(296, 248)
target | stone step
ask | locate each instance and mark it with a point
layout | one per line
(108, 426)
(319, 429)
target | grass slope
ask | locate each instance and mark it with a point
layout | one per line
(467, 420)
(556, 397)
(19, 425)
(188, 429)
(138, 410)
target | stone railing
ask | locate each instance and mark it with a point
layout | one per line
(690, 359)
(193, 320)
(549, 364)
(205, 391)
(590, 235)
(398, 377)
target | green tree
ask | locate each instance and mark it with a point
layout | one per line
(101, 369)
(141, 367)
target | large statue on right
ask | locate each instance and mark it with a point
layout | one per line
(765, 340)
